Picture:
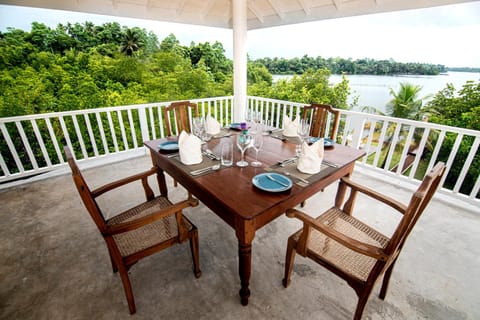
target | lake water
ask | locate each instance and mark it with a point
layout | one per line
(374, 91)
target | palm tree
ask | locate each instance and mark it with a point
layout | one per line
(406, 103)
(131, 42)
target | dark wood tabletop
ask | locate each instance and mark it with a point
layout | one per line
(230, 194)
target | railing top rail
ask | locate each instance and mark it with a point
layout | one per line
(297, 104)
(75, 112)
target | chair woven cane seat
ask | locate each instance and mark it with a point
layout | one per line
(149, 235)
(356, 264)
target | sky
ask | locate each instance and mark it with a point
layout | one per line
(447, 35)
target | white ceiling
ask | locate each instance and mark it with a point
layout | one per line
(218, 13)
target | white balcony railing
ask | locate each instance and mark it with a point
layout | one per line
(397, 148)
(32, 144)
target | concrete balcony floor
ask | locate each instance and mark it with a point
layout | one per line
(55, 265)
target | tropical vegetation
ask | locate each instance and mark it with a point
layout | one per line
(84, 66)
(80, 66)
(448, 107)
(348, 66)
(459, 109)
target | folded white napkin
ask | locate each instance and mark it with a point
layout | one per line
(290, 128)
(311, 159)
(190, 148)
(212, 125)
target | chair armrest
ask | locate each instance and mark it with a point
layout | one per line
(112, 185)
(353, 244)
(397, 205)
(154, 216)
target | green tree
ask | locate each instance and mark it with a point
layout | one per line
(109, 32)
(195, 54)
(15, 49)
(259, 80)
(339, 65)
(257, 72)
(214, 59)
(313, 87)
(41, 36)
(406, 102)
(131, 42)
(170, 43)
(459, 109)
(79, 66)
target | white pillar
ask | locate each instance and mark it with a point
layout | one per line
(239, 14)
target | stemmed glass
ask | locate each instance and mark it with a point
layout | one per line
(254, 118)
(257, 144)
(199, 127)
(243, 142)
(265, 126)
(257, 118)
(303, 131)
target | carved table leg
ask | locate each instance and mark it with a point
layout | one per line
(162, 185)
(342, 188)
(245, 267)
(245, 231)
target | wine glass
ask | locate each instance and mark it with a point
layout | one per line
(257, 144)
(256, 119)
(243, 142)
(199, 127)
(303, 131)
(266, 125)
(253, 118)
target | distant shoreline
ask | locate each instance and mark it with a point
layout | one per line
(471, 70)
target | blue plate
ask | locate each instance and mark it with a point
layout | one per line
(169, 146)
(327, 143)
(262, 182)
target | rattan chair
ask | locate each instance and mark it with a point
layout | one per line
(181, 116)
(319, 115)
(142, 230)
(352, 249)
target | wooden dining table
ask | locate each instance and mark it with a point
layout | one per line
(230, 193)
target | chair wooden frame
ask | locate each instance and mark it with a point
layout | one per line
(139, 222)
(181, 116)
(180, 111)
(375, 259)
(319, 113)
